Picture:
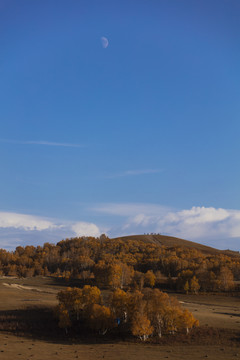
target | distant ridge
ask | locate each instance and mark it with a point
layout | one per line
(170, 241)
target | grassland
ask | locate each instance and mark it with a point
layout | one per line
(28, 330)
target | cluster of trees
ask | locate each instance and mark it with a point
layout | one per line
(142, 314)
(192, 282)
(124, 263)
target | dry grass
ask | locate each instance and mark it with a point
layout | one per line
(217, 311)
(170, 241)
(19, 348)
(28, 329)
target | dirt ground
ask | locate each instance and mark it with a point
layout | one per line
(12, 347)
(215, 311)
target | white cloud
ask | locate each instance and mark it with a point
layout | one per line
(197, 223)
(41, 142)
(202, 222)
(207, 225)
(26, 222)
(21, 229)
(85, 229)
(201, 215)
(36, 223)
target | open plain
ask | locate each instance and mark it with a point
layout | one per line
(29, 331)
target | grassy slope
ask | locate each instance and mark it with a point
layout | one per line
(170, 241)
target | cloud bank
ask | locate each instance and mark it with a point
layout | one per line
(195, 223)
(22, 229)
(202, 224)
(216, 227)
(25, 222)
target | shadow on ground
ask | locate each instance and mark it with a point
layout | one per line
(225, 313)
(40, 323)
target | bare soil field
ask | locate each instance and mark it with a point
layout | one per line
(26, 304)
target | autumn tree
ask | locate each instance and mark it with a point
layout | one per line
(119, 303)
(79, 301)
(225, 279)
(134, 302)
(101, 318)
(119, 275)
(183, 277)
(187, 321)
(157, 303)
(138, 280)
(90, 295)
(159, 277)
(63, 316)
(141, 326)
(171, 319)
(70, 300)
(101, 273)
(186, 287)
(150, 278)
(194, 285)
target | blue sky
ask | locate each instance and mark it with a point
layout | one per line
(138, 136)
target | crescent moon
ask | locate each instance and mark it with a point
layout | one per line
(104, 42)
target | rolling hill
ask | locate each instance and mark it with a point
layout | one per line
(170, 241)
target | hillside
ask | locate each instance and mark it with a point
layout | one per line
(170, 241)
(96, 260)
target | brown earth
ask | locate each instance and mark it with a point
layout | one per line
(22, 300)
(13, 347)
(218, 311)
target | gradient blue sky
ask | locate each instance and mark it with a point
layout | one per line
(140, 136)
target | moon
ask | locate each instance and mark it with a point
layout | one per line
(104, 42)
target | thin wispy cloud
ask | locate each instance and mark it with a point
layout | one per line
(137, 172)
(131, 209)
(41, 142)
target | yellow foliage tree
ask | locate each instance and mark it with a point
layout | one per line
(157, 303)
(186, 287)
(187, 321)
(64, 320)
(150, 278)
(119, 304)
(141, 326)
(101, 318)
(194, 285)
(170, 320)
(115, 275)
(225, 279)
(134, 302)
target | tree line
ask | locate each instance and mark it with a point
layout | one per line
(124, 264)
